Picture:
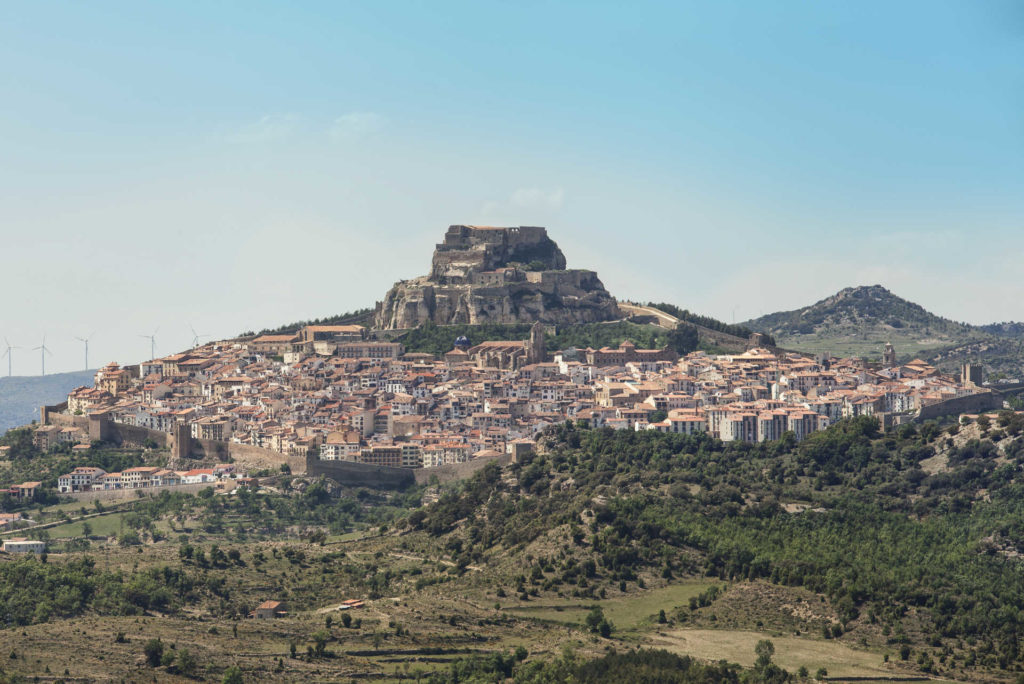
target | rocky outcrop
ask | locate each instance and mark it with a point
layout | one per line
(497, 275)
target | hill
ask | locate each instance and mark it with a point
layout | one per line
(487, 274)
(859, 321)
(21, 396)
(868, 555)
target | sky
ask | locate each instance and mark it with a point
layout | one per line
(236, 165)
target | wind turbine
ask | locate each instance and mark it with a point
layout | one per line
(9, 355)
(152, 344)
(43, 351)
(85, 341)
(195, 336)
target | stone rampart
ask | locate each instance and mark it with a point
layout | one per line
(67, 420)
(972, 403)
(101, 427)
(458, 471)
(363, 475)
(360, 474)
(246, 456)
(126, 494)
(130, 435)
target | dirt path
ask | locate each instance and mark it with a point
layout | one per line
(409, 556)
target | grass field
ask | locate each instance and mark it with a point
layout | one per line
(790, 652)
(101, 525)
(627, 613)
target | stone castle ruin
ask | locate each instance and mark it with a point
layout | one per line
(497, 275)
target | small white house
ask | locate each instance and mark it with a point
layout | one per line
(22, 545)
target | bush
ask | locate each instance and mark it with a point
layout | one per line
(232, 675)
(154, 652)
(185, 663)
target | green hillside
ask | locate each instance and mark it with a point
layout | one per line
(853, 554)
(859, 321)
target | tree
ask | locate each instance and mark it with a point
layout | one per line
(821, 673)
(232, 675)
(154, 651)
(86, 529)
(320, 638)
(764, 650)
(185, 662)
(594, 618)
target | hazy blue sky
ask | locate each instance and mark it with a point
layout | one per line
(236, 165)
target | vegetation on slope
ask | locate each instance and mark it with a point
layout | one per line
(646, 666)
(707, 322)
(856, 307)
(26, 463)
(904, 543)
(360, 316)
(439, 339)
(880, 537)
(858, 321)
(32, 592)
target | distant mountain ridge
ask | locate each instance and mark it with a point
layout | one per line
(1006, 329)
(859, 321)
(854, 307)
(21, 396)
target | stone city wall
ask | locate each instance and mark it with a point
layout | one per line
(360, 474)
(458, 471)
(973, 403)
(126, 494)
(100, 427)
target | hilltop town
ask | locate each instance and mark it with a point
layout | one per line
(504, 489)
(347, 393)
(329, 393)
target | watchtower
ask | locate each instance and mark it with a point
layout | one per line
(971, 374)
(536, 352)
(889, 356)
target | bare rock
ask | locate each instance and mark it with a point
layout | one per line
(497, 275)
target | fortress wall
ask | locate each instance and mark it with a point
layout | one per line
(249, 457)
(974, 403)
(67, 420)
(123, 494)
(457, 471)
(360, 474)
(131, 435)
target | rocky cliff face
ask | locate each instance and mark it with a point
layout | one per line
(497, 275)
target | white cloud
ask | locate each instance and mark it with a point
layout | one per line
(524, 205)
(270, 127)
(355, 126)
(538, 198)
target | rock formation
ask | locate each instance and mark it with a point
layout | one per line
(497, 275)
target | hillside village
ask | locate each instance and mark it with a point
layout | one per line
(329, 392)
(345, 392)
